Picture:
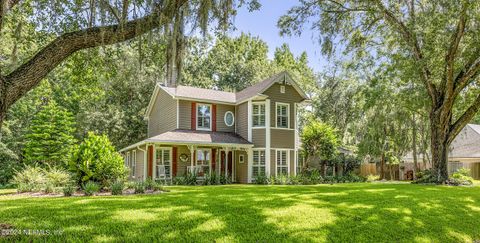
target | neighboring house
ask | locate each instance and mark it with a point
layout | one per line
(241, 135)
(464, 152)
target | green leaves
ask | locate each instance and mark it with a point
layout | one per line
(96, 160)
(319, 139)
(50, 136)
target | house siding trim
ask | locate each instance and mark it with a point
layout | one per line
(267, 136)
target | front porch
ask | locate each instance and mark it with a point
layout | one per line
(167, 161)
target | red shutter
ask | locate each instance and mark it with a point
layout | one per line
(214, 118)
(174, 163)
(150, 161)
(213, 159)
(194, 116)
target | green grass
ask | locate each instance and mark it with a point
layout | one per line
(339, 213)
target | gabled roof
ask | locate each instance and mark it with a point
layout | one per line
(187, 137)
(216, 96)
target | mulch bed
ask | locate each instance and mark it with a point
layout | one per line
(126, 192)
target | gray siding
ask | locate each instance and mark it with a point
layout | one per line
(241, 170)
(221, 110)
(140, 165)
(185, 110)
(282, 138)
(291, 96)
(258, 137)
(163, 116)
(242, 120)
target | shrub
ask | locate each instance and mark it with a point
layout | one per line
(224, 180)
(139, 187)
(49, 188)
(260, 180)
(425, 176)
(57, 177)
(371, 178)
(31, 178)
(69, 190)
(97, 160)
(460, 178)
(149, 184)
(90, 188)
(211, 179)
(158, 187)
(117, 188)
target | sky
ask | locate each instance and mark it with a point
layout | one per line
(263, 23)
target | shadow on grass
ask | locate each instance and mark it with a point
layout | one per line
(348, 212)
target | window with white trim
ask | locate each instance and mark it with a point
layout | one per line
(283, 115)
(258, 115)
(204, 117)
(163, 158)
(258, 163)
(127, 159)
(282, 162)
(133, 165)
(203, 160)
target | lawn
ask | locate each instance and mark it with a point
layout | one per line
(343, 212)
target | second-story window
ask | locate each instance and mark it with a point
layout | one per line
(258, 115)
(283, 115)
(204, 117)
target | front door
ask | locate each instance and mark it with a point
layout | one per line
(224, 163)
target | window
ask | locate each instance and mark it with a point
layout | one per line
(133, 165)
(204, 117)
(241, 159)
(282, 89)
(203, 160)
(258, 163)
(229, 118)
(282, 162)
(258, 115)
(282, 115)
(163, 158)
(127, 160)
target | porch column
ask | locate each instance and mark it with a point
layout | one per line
(192, 154)
(227, 151)
(249, 164)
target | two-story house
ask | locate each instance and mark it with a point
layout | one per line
(242, 135)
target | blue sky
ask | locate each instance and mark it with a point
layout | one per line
(263, 23)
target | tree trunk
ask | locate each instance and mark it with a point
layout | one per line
(414, 146)
(382, 166)
(391, 171)
(440, 125)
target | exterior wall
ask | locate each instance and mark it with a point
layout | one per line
(282, 138)
(163, 116)
(140, 165)
(221, 110)
(182, 166)
(291, 96)
(241, 170)
(242, 120)
(185, 114)
(258, 137)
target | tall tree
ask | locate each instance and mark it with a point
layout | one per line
(438, 41)
(50, 138)
(65, 27)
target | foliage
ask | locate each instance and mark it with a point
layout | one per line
(319, 140)
(97, 160)
(461, 177)
(69, 190)
(149, 183)
(158, 187)
(49, 188)
(260, 180)
(117, 188)
(57, 177)
(425, 177)
(90, 188)
(139, 187)
(50, 137)
(187, 179)
(371, 178)
(31, 178)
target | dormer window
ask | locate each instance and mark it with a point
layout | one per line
(204, 117)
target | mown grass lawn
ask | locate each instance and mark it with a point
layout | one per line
(344, 212)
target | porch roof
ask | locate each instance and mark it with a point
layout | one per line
(194, 137)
